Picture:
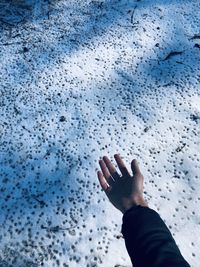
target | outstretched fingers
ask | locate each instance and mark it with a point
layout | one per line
(106, 172)
(135, 167)
(104, 169)
(112, 170)
(109, 165)
(102, 181)
(121, 165)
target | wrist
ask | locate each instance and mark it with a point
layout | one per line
(135, 202)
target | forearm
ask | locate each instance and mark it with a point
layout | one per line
(148, 240)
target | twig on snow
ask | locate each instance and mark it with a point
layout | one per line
(172, 54)
(195, 37)
(132, 15)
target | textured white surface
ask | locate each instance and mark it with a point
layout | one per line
(83, 79)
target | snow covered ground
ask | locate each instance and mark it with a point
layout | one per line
(83, 79)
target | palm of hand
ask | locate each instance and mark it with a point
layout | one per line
(122, 191)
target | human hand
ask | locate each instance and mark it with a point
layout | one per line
(123, 191)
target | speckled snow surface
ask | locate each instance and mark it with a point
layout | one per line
(83, 79)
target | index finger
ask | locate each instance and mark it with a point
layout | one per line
(121, 165)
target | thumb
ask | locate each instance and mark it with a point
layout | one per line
(135, 167)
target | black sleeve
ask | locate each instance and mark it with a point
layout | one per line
(148, 241)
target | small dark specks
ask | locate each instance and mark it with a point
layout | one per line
(25, 49)
(197, 46)
(180, 148)
(195, 118)
(65, 103)
(146, 129)
(62, 119)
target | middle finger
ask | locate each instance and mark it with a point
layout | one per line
(111, 168)
(121, 165)
(109, 165)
